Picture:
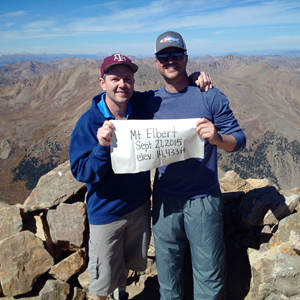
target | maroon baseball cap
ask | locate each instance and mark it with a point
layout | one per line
(117, 59)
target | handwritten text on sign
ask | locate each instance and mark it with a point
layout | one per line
(142, 145)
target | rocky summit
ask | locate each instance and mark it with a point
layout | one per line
(43, 243)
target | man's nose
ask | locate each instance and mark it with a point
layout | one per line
(122, 82)
(170, 58)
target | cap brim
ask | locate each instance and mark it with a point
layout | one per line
(132, 66)
(169, 46)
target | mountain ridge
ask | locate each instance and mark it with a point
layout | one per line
(38, 115)
(9, 58)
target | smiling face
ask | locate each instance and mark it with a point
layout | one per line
(118, 85)
(172, 69)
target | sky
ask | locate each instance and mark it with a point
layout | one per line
(215, 27)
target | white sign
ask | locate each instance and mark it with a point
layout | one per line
(142, 145)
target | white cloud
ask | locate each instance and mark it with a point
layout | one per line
(116, 20)
(8, 24)
(39, 25)
(276, 43)
(163, 14)
(14, 14)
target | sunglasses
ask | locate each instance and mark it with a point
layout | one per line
(163, 57)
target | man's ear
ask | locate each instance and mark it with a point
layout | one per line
(102, 84)
(156, 62)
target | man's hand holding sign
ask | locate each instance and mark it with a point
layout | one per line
(105, 133)
(207, 130)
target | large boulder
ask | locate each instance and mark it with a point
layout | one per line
(23, 259)
(10, 220)
(69, 266)
(53, 188)
(276, 267)
(285, 227)
(266, 206)
(294, 241)
(55, 290)
(232, 182)
(277, 274)
(67, 225)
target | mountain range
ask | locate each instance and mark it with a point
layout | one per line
(41, 102)
(6, 59)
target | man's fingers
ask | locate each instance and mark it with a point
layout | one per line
(109, 134)
(108, 124)
(202, 121)
(204, 81)
(105, 133)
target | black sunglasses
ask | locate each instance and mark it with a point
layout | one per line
(163, 57)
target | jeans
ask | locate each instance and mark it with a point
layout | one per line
(199, 222)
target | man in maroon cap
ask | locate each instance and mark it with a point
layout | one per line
(118, 205)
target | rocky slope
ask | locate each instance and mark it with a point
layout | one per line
(43, 243)
(37, 116)
(32, 69)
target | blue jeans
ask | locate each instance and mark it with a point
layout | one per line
(199, 222)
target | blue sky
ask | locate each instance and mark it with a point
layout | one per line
(131, 27)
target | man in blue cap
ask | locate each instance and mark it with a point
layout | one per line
(187, 203)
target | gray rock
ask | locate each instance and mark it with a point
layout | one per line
(295, 241)
(69, 266)
(277, 297)
(5, 148)
(280, 275)
(231, 182)
(285, 227)
(67, 225)
(266, 206)
(54, 188)
(276, 269)
(79, 294)
(55, 290)
(23, 259)
(84, 280)
(10, 220)
(43, 232)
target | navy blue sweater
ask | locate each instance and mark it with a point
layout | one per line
(194, 177)
(110, 195)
